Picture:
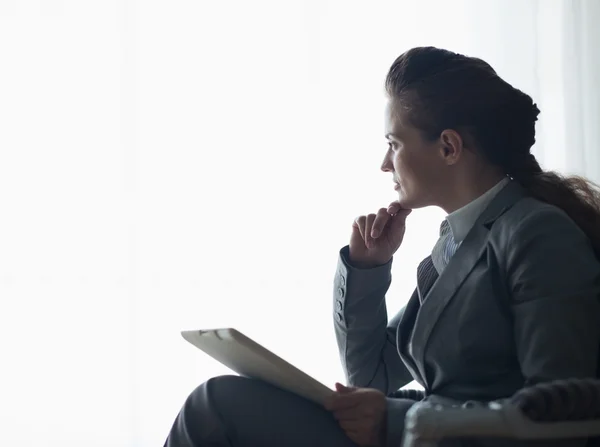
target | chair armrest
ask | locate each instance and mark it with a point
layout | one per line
(426, 424)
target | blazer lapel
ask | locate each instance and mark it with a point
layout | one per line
(403, 334)
(457, 270)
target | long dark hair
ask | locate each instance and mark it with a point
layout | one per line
(441, 90)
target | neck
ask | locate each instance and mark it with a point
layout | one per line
(467, 189)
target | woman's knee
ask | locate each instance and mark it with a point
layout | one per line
(203, 395)
(201, 416)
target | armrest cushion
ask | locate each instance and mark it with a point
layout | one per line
(561, 400)
(416, 395)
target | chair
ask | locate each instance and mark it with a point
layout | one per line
(553, 410)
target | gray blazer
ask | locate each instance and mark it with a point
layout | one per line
(517, 304)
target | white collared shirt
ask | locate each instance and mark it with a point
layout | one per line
(462, 220)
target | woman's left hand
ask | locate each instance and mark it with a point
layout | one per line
(361, 412)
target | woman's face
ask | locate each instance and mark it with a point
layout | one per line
(415, 163)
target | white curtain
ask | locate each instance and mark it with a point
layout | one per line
(549, 49)
(189, 164)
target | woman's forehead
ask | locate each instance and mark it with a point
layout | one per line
(395, 121)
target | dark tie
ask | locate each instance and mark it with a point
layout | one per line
(426, 276)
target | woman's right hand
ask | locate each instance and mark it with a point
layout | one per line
(376, 237)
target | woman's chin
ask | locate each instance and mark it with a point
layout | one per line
(409, 202)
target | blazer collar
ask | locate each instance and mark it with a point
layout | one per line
(421, 320)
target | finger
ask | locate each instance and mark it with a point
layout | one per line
(363, 412)
(359, 225)
(394, 207)
(340, 388)
(349, 415)
(381, 219)
(368, 225)
(350, 429)
(398, 221)
(332, 402)
(357, 426)
(344, 401)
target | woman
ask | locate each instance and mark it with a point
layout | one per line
(508, 297)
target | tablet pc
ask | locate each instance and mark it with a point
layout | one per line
(248, 358)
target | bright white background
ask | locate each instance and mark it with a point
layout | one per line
(169, 165)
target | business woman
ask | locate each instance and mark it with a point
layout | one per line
(508, 297)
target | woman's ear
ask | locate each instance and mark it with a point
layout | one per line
(452, 146)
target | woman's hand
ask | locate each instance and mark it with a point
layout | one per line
(376, 237)
(361, 412)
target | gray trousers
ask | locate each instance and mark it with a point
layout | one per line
(232, 411)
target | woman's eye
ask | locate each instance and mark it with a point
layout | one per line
(391, 145)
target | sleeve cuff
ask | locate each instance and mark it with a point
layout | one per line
(361, 282)
(345, 258)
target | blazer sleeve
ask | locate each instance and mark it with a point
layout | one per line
(366, 341)
(554, 280)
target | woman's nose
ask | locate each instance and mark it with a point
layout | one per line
(387, 165)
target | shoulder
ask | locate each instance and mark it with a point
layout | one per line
(532, 231)
(531, 218)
